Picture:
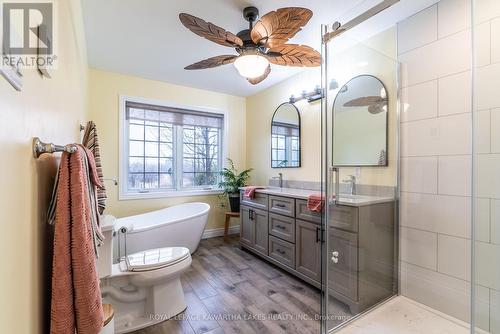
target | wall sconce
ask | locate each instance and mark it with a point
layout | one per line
(315, 95)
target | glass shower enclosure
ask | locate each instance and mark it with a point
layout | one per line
(360, 174)
(411, 164)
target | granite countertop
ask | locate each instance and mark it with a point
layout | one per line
(344, 199)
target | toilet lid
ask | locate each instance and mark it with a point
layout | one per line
(156, 258)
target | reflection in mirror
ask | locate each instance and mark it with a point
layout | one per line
(285, 137)
(360, 123)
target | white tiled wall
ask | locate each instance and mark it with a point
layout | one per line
(434, 49)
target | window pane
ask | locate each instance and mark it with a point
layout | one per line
(136, 148)
(136, 116)
(201, 179)
(151, 149)
(135, 181)
(166, 150)
(166, 165)
(136, 132)
(166, 181)
(281, 155)
(135, 165)
(281, 142)
(151, 181)
(153, 117)
(166, 134)
(189, 151)
(188, 134)
(188, 165)
(188, 179)
(151, 165)
(152, 133)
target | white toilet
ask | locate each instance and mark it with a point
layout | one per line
(144, 288)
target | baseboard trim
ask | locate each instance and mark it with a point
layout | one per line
(219, 232)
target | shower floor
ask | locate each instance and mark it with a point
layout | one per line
(401, 315)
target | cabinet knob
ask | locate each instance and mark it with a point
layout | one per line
(335, 256)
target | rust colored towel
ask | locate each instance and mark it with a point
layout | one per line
(250, 191)
(315, 203)
(76, 296)
(91, 141)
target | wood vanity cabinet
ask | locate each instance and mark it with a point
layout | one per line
(283, 231)
(361, 254)
(308, 249)
(254, 229)
(361, 245)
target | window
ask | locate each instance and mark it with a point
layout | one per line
(168, 150)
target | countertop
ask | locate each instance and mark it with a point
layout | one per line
(344, 199)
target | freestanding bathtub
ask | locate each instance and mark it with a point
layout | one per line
(180, 225)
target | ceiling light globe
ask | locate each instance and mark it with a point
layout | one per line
(251, 66)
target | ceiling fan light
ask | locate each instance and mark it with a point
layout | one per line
(251, 66)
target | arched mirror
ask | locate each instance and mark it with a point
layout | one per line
(360, 114)
(285, 137)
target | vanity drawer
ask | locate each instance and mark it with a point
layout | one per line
(282, 251)
(259, 201)
(344, 217)
(282, 227)
(302, 212)
(282, 205)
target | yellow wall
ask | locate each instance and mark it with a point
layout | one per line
(104, 91)
(52, 110)
(378, 55)
(260, 109)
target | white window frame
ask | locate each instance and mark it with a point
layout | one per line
(123, 192)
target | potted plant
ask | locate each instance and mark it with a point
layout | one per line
(232, 181)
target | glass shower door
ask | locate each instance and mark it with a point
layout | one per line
(360, 174)
(486, 167)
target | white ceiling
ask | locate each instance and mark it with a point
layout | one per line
(146, 38)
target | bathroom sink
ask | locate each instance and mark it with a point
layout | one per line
(361, 199)
(354, 197)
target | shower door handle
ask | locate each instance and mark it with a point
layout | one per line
(334, 197)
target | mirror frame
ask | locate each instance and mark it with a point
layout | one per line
(300, 136)
(386, 125)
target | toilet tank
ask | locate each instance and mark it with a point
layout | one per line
(105, 259)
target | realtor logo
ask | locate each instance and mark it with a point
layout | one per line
(28, 36)
(27, 28)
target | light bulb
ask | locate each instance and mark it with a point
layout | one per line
(251, 66)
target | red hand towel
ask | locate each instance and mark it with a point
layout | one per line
(315, 203)
(250, 191)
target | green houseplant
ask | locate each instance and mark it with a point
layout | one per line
(232, 181)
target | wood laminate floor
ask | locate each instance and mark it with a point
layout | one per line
(229, 290)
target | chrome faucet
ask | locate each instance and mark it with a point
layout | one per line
(352, 184)
(280, 178)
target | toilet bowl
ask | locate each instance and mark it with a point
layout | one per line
(144, 288)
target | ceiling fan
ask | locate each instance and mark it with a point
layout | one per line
(263, 43)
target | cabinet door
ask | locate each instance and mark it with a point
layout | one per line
(261, 241)
(308, 249)
(247, 229)
(343, 263)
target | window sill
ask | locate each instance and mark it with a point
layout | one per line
(167, 194)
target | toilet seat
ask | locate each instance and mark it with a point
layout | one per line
(158, 258)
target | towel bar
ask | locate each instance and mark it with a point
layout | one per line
(40, 147)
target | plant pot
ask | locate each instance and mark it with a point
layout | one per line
(234, 202)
